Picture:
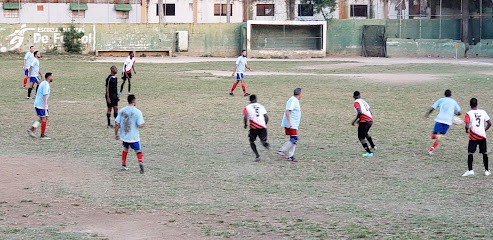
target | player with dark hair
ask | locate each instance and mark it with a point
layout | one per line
(257, 115)
(448, 109)
(475, 121)
(34, 74)
(241, 64)
(291, 122)
(111, 95)
(130, 119)
(364, 117)
(41, 107)
(128, 66)
(28, 58)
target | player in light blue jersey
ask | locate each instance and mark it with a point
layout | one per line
(448, 109)
(240, 67)
(127, 125)
(41, 107)
(28, 58)
(291, 122)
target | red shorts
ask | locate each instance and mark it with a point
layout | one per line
(291, 131)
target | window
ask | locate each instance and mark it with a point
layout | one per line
(122, 14)
(220, 10)
(78, 14)
(305, 10)
(169, 9)
(11, 13)
(265, 9)
(359, 10)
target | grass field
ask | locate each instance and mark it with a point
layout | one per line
(201, 181)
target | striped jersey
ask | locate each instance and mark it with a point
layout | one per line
(476, 119)
(365, 110)
(255, 113)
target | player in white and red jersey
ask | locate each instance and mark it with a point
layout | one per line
(365, 120)
(128, 66)
(257, 115)
(475, 121)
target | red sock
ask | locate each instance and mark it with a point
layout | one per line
(433, 136)
(435, 144)
(243, 87)
(124, 158)
(234, 86)
(25, 81)
(43, 127)
(140, 157)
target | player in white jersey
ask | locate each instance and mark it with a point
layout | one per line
(257, 115)
(28, 58)
(365, 119)
(240, 67)
(34, 74)
(475, 121)
(128, 66)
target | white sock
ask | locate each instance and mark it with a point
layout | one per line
(291, 150)
(286, 146)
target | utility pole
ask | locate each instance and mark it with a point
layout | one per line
(160, 10)
(228, 11)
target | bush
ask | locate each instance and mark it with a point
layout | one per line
(71, 39)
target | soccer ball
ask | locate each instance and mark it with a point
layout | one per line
(457, 120)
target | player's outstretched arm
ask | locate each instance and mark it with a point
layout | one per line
(488, 125)
(245, 121)
(117, 128)
(358, 115)
(248, 67)
(429, 112)
(234, 70)
(266, 119)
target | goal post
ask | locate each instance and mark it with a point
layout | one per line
(286, 39)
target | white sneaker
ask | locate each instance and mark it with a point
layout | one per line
(487, 173)
(468, 173)
(430, 153)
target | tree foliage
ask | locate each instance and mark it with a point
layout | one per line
(72, 39)
(325, 7)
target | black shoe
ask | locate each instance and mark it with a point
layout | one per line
(141, 165)
(292, 159)
(231, 94)
(44, 137)
(246, 94)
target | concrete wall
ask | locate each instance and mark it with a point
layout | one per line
(61, 13)
(436, 48)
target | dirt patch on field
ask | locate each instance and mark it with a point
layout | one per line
(27, 201)
(395, 78)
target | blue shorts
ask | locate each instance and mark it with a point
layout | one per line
(239, 76)
(135, 145)
(26, 72)
(34, 79)
(42, 112)
(441, 128)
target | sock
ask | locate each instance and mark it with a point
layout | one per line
(234, 86)
(29, 92)
(286, 146)
(124, 158)
(115, 115)
(370, 141)
(254, 148)
(35, 125)
(469, 161)
(25, 81)
(365, 146)
(121, 88)
(292, 149)
(485, 161)
(128, 85)
(435, 144)
(243, 87)
(108, 115)
(140, 157)
(43, 127)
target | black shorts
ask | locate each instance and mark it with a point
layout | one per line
(260, 132)
(113, 101)
(473, 144)
(128, 74)
(363, 129)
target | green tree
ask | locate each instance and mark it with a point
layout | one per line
(325, 7)
(72, 39)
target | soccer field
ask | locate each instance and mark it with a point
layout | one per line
(200, 179)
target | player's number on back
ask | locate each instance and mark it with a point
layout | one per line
(256, 111)
(478, 120)
(367, 107)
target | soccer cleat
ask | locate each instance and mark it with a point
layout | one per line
(246, 94)
(373, 149)
(121, 93)
(468, 173)
(44, 137)
(141, 165)
(31, 133)
(124, 168)
(430, 153)
(110, 126)
(231, 94)
(368, 155)
(292, 159)
(28, 97)
(129, 93)
(281, 154)
(257, 159)
(487, 173)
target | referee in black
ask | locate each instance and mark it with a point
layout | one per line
(111, 95)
